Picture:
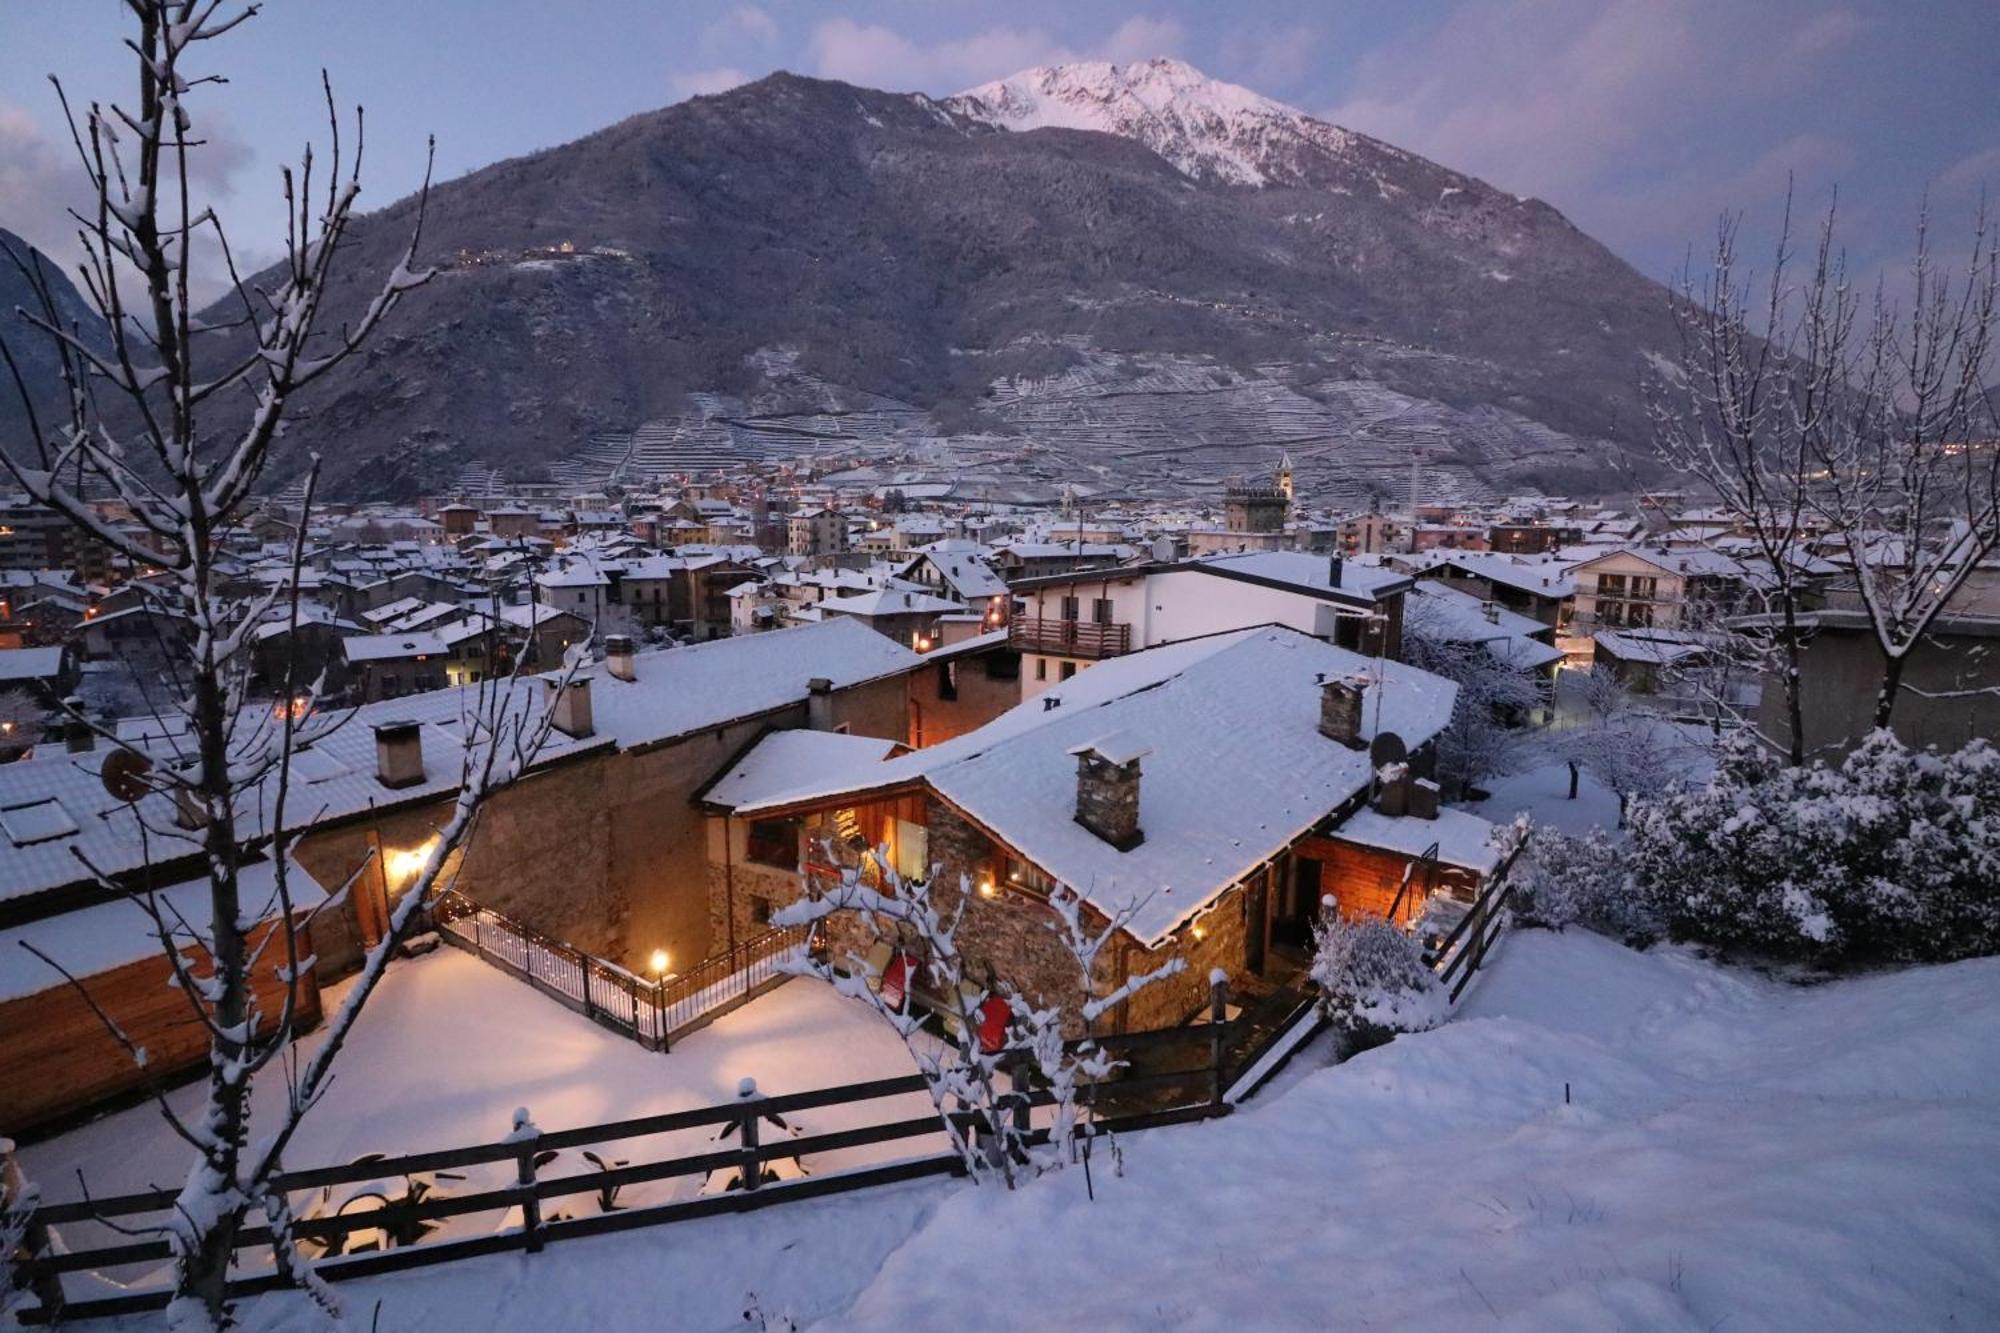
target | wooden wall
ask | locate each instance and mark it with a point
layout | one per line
(1364, 880)
(60, 1061)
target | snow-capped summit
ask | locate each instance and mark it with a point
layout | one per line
(1209, 129)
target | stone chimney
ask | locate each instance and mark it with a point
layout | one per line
(569, 705)
(1340, 711)
(618, 657)
(819, 704)
(1492, 611)
(1335, 567)
(399, 754)
(1107, 789)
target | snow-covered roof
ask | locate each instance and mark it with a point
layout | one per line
(333, 779)
(21, 664)
(684, 690)
(1306, 572)
(1655, 646)
(890, 602)
(1544, 578)
(96, 939)
(1238, 768)
(390, 647)
(781, 758)
(1462, 839)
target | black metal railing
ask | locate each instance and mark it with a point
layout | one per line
(653, 1011)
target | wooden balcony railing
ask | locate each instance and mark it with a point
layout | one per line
(1069, 638)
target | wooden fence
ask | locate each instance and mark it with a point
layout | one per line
(654, 1012)
(402, 1200)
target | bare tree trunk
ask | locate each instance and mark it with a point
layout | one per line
(1891, 686)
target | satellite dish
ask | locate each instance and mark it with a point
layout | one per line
(1387, 748)
(124, 775)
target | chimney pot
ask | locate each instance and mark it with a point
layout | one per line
(399, 754)
(1340, 711)
(569, 705)
(819, 704)
(618, 657)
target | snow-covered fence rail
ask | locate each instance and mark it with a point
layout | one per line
(512, 1205)
(654, 1012)
(1460, 954)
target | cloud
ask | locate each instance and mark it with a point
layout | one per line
(743, 22)
(1142, 38)
(875, 56)
(1640, 118)
(702, 82)
(41, 180)
(1270, 61)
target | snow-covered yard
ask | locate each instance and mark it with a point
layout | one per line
(1734, 1153)
(449, 1046)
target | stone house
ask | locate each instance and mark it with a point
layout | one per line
(1204, 794)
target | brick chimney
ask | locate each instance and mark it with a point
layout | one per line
(1340, 711)
(569, 705)
(399, 754)
(618, 657)
(1107, 789)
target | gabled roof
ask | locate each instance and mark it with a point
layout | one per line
(1237, 769)
(391, 647)
(1303, 572)
(680, 691)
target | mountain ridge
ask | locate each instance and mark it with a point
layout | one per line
(804, 263)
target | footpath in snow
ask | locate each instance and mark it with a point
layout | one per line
(1736, 1153)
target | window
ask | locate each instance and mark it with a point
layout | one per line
(1068, 670)
(1071, 608)
(773, 842)
(760, 910)
(1100, 611)
(1041, 668)
(912, 850)
(1024, 875)
(947, 680)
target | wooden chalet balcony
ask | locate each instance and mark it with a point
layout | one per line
(1069, 638)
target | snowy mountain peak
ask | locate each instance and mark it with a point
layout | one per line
(1207, 128)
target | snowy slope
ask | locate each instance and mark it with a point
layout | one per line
(1209, 129)
(1736, 1153)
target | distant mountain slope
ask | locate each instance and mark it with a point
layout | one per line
(33, 352)
(798, 261)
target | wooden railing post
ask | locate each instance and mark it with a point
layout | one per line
(528, 1137)
(14, 1193)
(1218, 1015)
(747, 1127)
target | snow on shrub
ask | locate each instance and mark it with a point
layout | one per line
(1892, 855)
(1373, 980)
(1581, 880)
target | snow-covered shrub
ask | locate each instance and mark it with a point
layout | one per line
(1737, 863)
(1373, 980)
(1892, 855)
(1581, 880)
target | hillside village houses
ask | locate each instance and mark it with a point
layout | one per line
(1183, 708)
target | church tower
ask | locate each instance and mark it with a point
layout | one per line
(1285, 476)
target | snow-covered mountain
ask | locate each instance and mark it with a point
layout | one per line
(1211, 130)
(1189, 281)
